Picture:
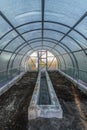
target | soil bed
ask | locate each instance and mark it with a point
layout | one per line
(14, 103)
(73, 103)
(14, 106)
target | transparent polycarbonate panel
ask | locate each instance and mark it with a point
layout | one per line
(34, 40)
(82, 27)
(73, 70)
(38, 48)
(53, 34)
(60, 49)
(62, 64)
(23, 62)
(36, 44)
(17, 62)
(79, 38)
(33, 16)
(34, 54)
(29, 52)
(82, 76)
(74, 60)
(48, 43)
(29, 27)
(18, 49)
(4, 27)
(11, 60)
(53, 64)
(62, 46)
(15, 69)
(50, 60)
(68, 60)
(56, 26)
(62, 18)
(33, 61)
(73, 46)
(65, 11)
(14, 44)
(19, 11)
(59, 62)
(24, 66)
(4, 58)
(31, 35)
(24, 45)
(69, 65)
(55, 52)
(25, 49)
(82, 62)
(7, 38)
(49, 54)
(47, 48)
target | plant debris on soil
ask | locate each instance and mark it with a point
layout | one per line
(15, 102)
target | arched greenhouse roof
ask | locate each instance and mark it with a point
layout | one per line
(59, 26)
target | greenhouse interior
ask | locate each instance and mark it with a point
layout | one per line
(43, 64)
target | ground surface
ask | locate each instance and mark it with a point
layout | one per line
(74, 105)
(14, 105)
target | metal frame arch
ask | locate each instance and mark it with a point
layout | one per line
(68, 54)
(57, 43)
(36, 50)
(48, 30)
(23, 47)
(57, 58)
(38, 29)
(62, 47)
(43, 6)
(53, 22)
(32, 51)
(54, 30)
(12, 26)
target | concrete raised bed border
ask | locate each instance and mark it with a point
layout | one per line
(44, 111)
(8, 85)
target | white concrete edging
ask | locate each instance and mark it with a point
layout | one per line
(46, 111)
(82, 87)
(8, 85)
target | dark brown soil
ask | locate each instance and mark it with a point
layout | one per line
(14, 104)
(73, 103)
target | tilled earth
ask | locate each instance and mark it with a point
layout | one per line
(14, 103)
(73, 103)
(14, 106)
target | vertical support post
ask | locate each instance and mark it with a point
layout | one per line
(38, 61)
(46, 60)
